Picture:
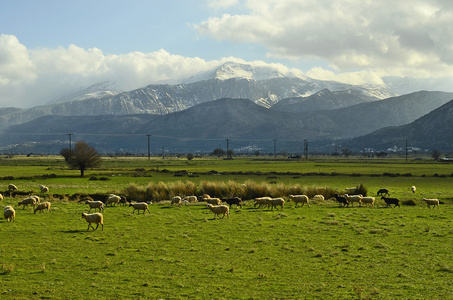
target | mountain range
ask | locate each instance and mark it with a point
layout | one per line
(251, 108)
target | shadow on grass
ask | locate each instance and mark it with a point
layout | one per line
(74, 231)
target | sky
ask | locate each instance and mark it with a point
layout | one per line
(50, 47)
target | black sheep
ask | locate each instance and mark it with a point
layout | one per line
(383, 192)
(341, 200)
(234, 200)
(390, 201)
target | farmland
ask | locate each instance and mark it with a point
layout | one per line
(321, 251)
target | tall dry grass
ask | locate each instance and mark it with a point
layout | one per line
(249, 190)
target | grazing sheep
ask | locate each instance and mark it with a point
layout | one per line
(213, 201)
(299, 199)
(123, 200)
(176, 200)
(353, 198)
(95, 204)
(219, 210)
(274, 202)
(42, 206)
(94, 218)
(382, 192)
(44, 189)
(202, 197)
(112, 199)
(261, 201)
(341, 200)
(413, 189)
(318, 198)
(1, 197)
(140, 206)
(368, 200)
(234, 200)
(389, 201)
(433, 202)
(9, 213)
(191, 198)
(36, 198)
(27, 201)
(12, 188)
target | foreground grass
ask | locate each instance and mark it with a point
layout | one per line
(180, 252)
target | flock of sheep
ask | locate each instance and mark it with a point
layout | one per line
(213, 204)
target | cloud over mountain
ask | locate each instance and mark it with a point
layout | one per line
(31, 77)
(388, 36)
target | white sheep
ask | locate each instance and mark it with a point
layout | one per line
(27, 201)
(433, 202)
(97, 218)
(413, 189)
(299, 199)
(274, 202)
(12, 188)
(176, 200)
(95, 204)
(44, 189)
(368, 200)
(191, 198)
(1, 197)
(261, 201)
(140, 206)
(318, 198)
(112, 199)
(42, 206)
(36, 198)
(213, 201)
(9, 213)
(353, 198)
(219, 210)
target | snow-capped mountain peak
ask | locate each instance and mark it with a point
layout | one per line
(230, 70)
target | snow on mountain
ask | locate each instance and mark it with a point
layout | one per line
(97, 90)
(230, 70)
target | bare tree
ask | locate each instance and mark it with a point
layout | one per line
(435, 154)
(82, 157)
(218, 152)
(346, 152)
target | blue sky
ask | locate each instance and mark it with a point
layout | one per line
(49, 47)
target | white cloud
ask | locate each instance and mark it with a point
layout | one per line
(30, 77)
(15, 63)
(349, 35)
(222, 4)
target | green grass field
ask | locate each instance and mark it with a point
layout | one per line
(321, 251)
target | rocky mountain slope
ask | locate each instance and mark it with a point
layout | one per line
(264, 86)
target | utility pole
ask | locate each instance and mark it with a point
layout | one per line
(306, 149)
(163, 153)
(70, 144)
(406, 150)
(228, 146)
(148, 135)
(275, 148)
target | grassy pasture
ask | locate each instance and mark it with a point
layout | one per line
(321, 251)
(181, 252)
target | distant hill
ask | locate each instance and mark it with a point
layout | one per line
(365, 118)
(198, 127)
(432, 131)
(323, 100)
